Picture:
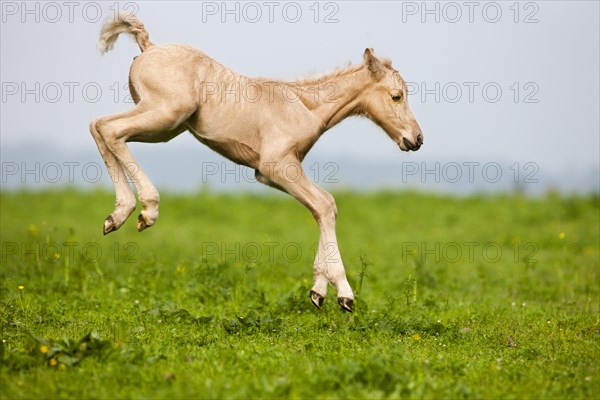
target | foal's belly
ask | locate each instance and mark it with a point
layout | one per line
(228, 147)
(236, 141)
(235, 151)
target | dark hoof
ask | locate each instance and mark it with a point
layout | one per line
(316, 298)
(346, 303)
(141, 223)
(109, 225)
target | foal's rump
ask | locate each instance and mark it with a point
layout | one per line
(169, 74)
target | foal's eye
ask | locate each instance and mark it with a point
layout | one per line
(396, 97)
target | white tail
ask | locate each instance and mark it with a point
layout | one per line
(123, 23)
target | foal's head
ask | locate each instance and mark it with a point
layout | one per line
(385, 102)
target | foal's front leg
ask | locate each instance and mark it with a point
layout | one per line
(328, 266)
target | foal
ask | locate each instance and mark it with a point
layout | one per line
(267, 125)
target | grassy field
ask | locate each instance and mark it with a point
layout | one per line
(477, 297)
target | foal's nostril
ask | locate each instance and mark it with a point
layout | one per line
(419, 139)
(413, 146)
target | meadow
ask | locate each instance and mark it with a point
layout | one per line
(485, 296)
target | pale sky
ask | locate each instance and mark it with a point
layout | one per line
(492, 81)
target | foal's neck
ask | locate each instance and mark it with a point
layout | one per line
(335, 96)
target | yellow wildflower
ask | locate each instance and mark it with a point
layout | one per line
(43, 349)
(33, 230)
(416, 337)
(561, 235)
(53, 361)
(21, 287)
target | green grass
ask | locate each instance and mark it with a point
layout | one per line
(477, 297)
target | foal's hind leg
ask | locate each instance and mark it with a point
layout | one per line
(124, 197)
(146, 125)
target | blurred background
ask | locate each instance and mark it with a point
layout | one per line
(507, 93)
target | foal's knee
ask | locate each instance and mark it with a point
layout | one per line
(327, 212)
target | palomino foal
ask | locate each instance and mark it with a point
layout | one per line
(269, 127)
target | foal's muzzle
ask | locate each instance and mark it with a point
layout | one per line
(413, 146)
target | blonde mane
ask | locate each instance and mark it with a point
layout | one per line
(340, 71)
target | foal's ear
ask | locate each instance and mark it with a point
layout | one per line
(374, 65)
